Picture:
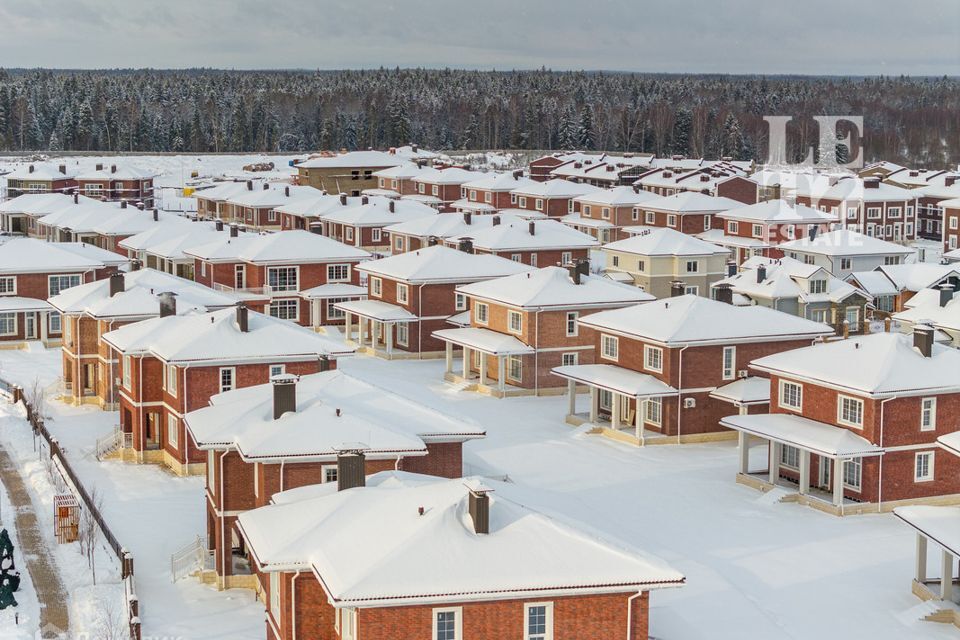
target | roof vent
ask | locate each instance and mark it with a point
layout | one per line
(113, 168)
(343, 199)
(724, 293)
(761, 273)
(99, 166)
(123, 204)
(234, 231)
(284, 394)
(249, 185)
(495, 221)
(156, 215)
(467, 217)
(532, 228)
(731, 268)
(286, 191)
(365, 200)
(218, 224)
(63, 169)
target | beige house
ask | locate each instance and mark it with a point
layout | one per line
(349, 173)
(655, 258)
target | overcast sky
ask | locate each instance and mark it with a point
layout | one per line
(914, 37)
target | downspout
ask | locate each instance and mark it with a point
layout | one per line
(880, 470)
(282, 463)
(183, 425)
(223, 523)
(396, 466)
(143, 426)
(630, 615)
(420, 321)
(536, 354)
(293, 605)
(110, 381)
(680, 390)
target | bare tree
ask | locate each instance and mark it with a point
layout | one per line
(110, 622)
(36, 396)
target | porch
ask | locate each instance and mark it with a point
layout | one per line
(377, 323)
(479, 345)
(940, 526)
(322, 301)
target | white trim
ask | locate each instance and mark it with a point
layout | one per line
(840, 419)
(458, 621)
(930, 466)
(548, 621)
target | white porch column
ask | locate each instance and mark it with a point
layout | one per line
(571, 397)
(921, 573)
(449, 357)
(593, 405)
(388, 335)
(804, 472)
(317, 314)
(638, 419)
(466, 363)
(743, 446)
(946, 579)
(615, 410)
(775, 448)
(483, 368)
(347, 328)
(43, 319)
(501, 372)
(838, 482)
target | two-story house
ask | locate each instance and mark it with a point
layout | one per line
(363, 225)
(868, 205)
(538, 243)
(347, 172)
(843, 251)
(18, 216)
(40, 177)
(257, 208)
(605, 213)
(123, 183)
(689, 211)
(491, 193)
(894, 286)
(431, 230)
(669, 370)
(212, 201)
(440, 188)
(554, 198)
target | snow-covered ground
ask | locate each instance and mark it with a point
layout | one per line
(755, 568)
(23, 621)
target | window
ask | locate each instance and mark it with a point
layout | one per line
(891, 260)
(605, 213)
(650, 217)
(487, 197)
(282, 278)
(376, 287)
(566, 257)
(173, 436)
(533, 259)
(481, 312)
(615, 261)
(671, 220)
(403, 334)
(852, 316)
(733, 226)
(729, 363)
(586, 211)
(851, 213)
(284, 309)
(171, 380)
(516, 257)
(893, 212)
(789, 456)
(923, 467)
(846, 264)
(791, 395)
(515, 368)
(928, 414)
(707, 222)
(272, 215)
(850, 411)
(398, 244)
(569, 359)
(653, 358)
(334, 313)
(8, 284)
(328, 473)
(447, 624)
(277, 370)
(127, 368)
(338, 272)
(53, 320)
(538, 621)
(539, 204)
(275, 595)
(56, 284)
(641, 266)
(67, 332)
(434, 190)
(572, 323)
(873, 213)
(460, 302)
(515, 321)
(653, 411)
(691, 290)
(609, 347)
(227, 376)
(203, 268)
(376, 234)
(758, 231)
(852, 473)
(693, 266)
(403, 293)
(818, 286)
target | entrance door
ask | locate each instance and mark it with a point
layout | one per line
(824, 464)
(30, 326)
(239, 277)
(153, 431)
(89, 374)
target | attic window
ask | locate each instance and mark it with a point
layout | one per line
(818, 286)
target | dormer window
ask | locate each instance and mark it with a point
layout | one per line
(818, 286)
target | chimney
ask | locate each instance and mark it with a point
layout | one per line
(351, 468)
(949, 181)
(914, 173)
(676, 288)
(761, 273)
(113, 168)
(218, 224)
(168, 304)
(249, 185)
(517, 174)
(99, 166)
(923, 339)
(116, 283)
(814, 230)
(871, 183)
(284, 394)
(392, 206)
(343, 199)
(466, 245)
(480, 507)
(233, 231)
(30, 169)
(62, 168)
(574, 273)
(636, 188)
(532, 228)
(123, 204)
(286, 191)
(414, 147)
(156, 215)
(946, 293)
(243, 317)
(724, 293)
(365, 200)
(731, 268)
(495, 220)
(76, 198)
(135, 265)
(467, 217)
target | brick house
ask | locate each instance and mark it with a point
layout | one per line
(758, 229)
(397, 181)
(332, 576)
(308, 213)
(410, 295)
(440, 188)
(854, 423)
(540, 168)
(951, 224)
(25, 319)
(491, 193)
(606, 213)
(803, 290)
(554, 198)
(844, 251)
(429, 230)
(40, 177)
(689, 211)
(90, 366)
(160, 246)
(672, 368)
(362, 225)
(126, 222)
(349, 172)
(73, 223)
(534, 242)
(256, 208)
(124, 183)
(281, 267)
(211, 201)
(18, 216)
(945, 186)
(171, 365)
(895, 286)
(867, 205)
(522, 326)
(656, 258)
(605, 171)
(718, 179)
(936, 307)
(265, 439)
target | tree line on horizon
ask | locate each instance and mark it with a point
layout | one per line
(915, 121)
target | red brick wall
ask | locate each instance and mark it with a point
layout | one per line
(739, 189)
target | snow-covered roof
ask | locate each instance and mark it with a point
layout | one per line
(617, 197)
(29, 255)
(719, 237)
(854, 189)
(787, 278)
(555, 188)
(371, 547)
(919, 275)
(377, 213)
(140, 297)
(450, 175)
(405, 171)
(691, 202)
(844, 242)
(117, 172)
(500, 182)
(334, 290)
(130, 221)
(386, 423)
(277, 195)
(778, 212)
(16, 304)
(940, 524)
(950, 442)
(223, 191)
(516, 235)
(797, 431)
(40, 204)
(942, 192)
(693, 320)
(42, 171)
(442, 264)
(170, 228)
(283, 247)
(81, 217)
(373, 159)
(874, 282)
(662, 241)
(925, 308)
(576, 220)
(215, 337)
(617, 379)
(745, 391)
(553, 287)
(485, 340)
(877, 364)
(464, 204)
(446, 225)
(377, 310)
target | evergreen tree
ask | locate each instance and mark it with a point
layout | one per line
(682, 123)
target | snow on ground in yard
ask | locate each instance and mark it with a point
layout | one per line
(755, 568)
(23, 621)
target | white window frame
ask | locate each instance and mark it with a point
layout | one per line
(569, 359)
(334, 269)
(277, 370)
(273, 309)
(789, 456)
(458, 621)
(287, 286)
(928, 414)
(609, 347)
(376, 287)
(931, 458)
(127, 371)
(548, 621)
(514, 368)
(671, 220)
(733, 226)
(173, 431)
(403, 293)
(781, 395)
(481, 312)
(376, 234)
(693, 266)
(274, 596)
(326, 469)
(857, 464)
(460, 301)
(73, 280)
(571, 321)
(652, 358)
(170, 376)
(232, 372)
(841, 403)
(514, 321)
(729, 369)
(653, 413)
(8, 285)
(403, 334)
(650, 217)
(757, 231)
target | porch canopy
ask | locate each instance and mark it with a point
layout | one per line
(487, 343)
(616, 379)
(942, 525)
(744, 392)
(376, 310)
(950, 442)
(461, 319)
